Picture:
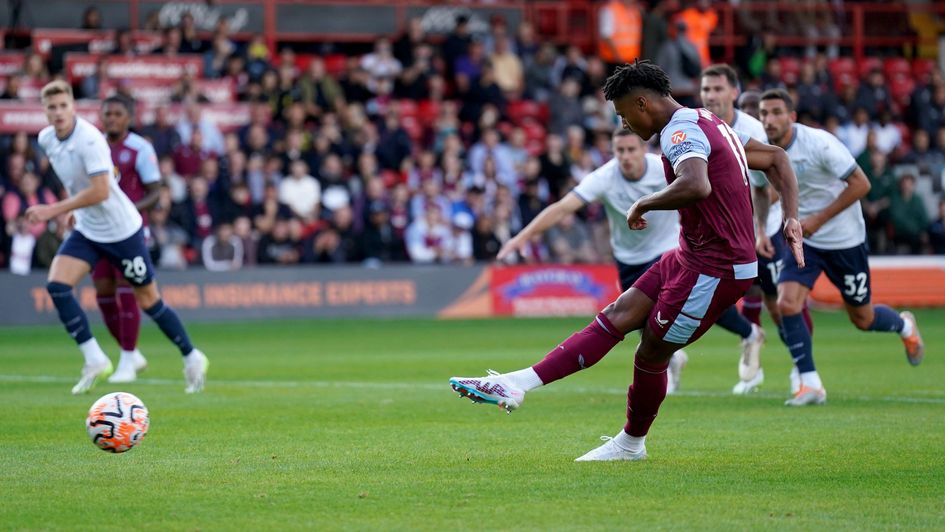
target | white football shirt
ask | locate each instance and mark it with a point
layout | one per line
(822, 164)
(84, 153)
(608, 185)
(749, 125)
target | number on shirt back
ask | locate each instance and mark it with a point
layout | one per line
(737, 149)
(135, 269)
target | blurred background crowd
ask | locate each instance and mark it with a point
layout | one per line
(438, 150)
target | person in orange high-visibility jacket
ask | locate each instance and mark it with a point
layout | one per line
(621, 24)
(701, 20)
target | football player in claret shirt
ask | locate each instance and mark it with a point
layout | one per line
(678, 298)
(108, 225)
(140, 179)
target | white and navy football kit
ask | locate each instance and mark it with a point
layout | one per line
(822, 164)
(634, 251)
(111, 229)
(768, 269)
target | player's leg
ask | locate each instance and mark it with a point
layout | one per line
(103, 277)
(752, 304)
(579, 351)
(132, 259)
(73, 261)
(848, 270)
(794, 285)
(689, 304)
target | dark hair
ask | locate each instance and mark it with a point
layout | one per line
(723, 70)
(779, 94)
(123, 101)
(639, 75)
(622, 132)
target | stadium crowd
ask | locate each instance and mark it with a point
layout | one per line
(440, 151)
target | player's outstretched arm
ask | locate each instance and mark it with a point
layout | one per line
(691, 185)
(776, 165)
(96, 193)
(546, 219)
(761, 201)
(151, 198)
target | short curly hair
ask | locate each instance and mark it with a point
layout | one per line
(638, 75)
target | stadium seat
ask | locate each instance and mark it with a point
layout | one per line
(870, 64)
(843, 71)
(922, 69)
(790, 69)
(520, 110)
(897, 67)
(335, 64)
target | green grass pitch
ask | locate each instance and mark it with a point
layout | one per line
(351, 425)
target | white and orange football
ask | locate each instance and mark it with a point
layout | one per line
(117, 422)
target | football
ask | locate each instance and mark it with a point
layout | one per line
(117, 422)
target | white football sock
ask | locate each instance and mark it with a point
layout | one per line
(634, 444)
(812, 380)
(906, 328)
(526, 379)
(755, 332)
(92, 352)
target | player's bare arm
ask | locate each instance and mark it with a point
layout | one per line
(858, 185)
(776, 165)
(546, 219)
(96, 193)
(151, 198)
(691, 185)
(761, 201)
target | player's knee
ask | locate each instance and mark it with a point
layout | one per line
(147, 296)
(788, 307)
(55, 288)
(861, 321)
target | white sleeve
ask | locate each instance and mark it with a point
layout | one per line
(593, 187)
(96, 155)
(684, 140)
(146, 165)
(606, 28)
(834, 157)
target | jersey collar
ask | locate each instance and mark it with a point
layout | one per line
(75, 124)
(793, 138)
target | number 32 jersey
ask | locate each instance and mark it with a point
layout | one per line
(717, 237)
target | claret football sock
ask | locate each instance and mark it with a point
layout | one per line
(111, 315)
(645, 395)
(130, 322)
(751, 309)
(581, 350)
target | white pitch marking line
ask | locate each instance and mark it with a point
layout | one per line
(438, 387)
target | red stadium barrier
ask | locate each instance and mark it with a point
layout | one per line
(44, 39)
(156, 91)
(78, 66)
(11, 64)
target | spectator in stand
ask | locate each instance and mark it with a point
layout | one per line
(12, 89)
(555, 167)
(429, 197)
(394, 144)
(196, 119)
(460, 247)
(571, 65)
(565, 107)
(195, 214)
(529, 201)
(169, 239)
(486, 244)
(888, 136)
(124, 43)
(874, 95)
(172, 42)
(526, 43)
(278, 247)
(381, 63)
(570, 242)
(27, 193)
(190, 42)
(413, 37)
(337, 242)
(320, 92)
(215, 59)
(539, 84)
(929, 160)
(509, 73)
(91, 19)
(937, 231)
(223, 250)
(700, 20)
(379, 242)
(620, 28)
(931, 116)
(20, 145)
(854, 134)
(491, 147)
(413, 82)
(814, 99)
(34, 69)
(876, 203)
(771, 77)
(655, 28)
(908, 217)
(680, 58)
(428, 238)
(457, 43)
(301, 192)
(189, 157)
(243, 229)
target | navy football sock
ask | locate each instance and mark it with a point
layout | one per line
(732, 320)
(171, 326)
(886, 319)
(70, 313)
(798, 341)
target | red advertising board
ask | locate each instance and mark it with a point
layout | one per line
(156, 91)
(79, 66)
(98, 41)
(18, 116)
(553, 290)
(11, 64)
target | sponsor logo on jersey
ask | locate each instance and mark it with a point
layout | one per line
(678, 137)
